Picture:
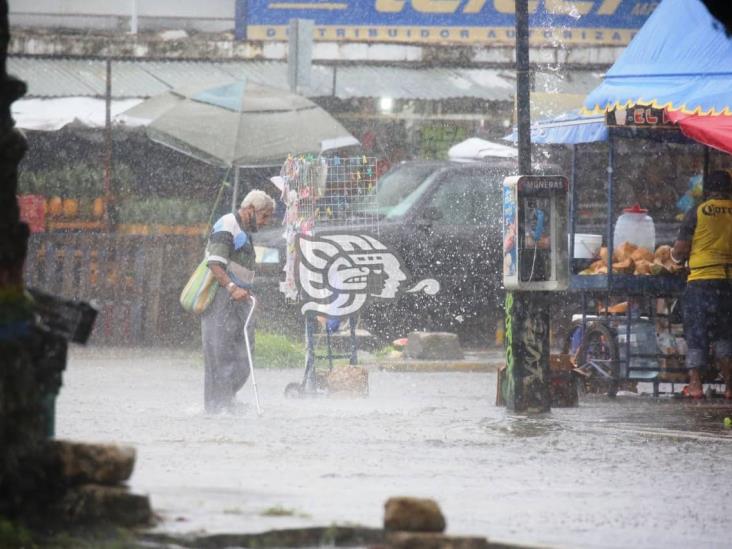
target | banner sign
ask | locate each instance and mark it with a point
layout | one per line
(638, 115)
(552, 22)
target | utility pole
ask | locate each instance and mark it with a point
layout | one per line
(108, 199)
(525, 385)
(523, 91)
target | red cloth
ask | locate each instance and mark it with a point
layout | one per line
(715, 131)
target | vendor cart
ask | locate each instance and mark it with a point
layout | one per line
(671, 84)
(617, 338)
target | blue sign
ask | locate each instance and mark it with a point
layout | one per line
(596, 22)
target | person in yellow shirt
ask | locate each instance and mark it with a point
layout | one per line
(705, 240)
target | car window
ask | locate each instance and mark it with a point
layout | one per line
(468, 198)
(406, 204)
(399, 184)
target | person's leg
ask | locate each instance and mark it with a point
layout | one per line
(696, 334)
(231, 354)
(209, 357)
(240, 366)
(213, 323)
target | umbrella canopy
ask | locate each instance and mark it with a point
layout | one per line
(680, 59)
(475, 148)
(239, 123)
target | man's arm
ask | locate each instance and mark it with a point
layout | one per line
(680, 252)
(219, 249)
(682, 247)
(219, 273)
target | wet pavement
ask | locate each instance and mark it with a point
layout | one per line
(635, 471)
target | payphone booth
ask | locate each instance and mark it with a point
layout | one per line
(535, 242)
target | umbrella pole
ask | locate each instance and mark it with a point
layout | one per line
(236, 189)
(219, 195)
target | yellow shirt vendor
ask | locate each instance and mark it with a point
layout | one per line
(705, 240)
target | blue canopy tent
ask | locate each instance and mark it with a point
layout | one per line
(680, 61)
(570, 128)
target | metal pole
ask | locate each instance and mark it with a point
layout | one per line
(526, 386)
(249, 353)
(133, 18)
(610, 203)
(108, 145)
(573, 206)
(523, 92)
(354, 341)
(235, 192)
(308, 382)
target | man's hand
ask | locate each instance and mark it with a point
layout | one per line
(239, 294)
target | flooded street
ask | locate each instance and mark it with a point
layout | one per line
(633, 472)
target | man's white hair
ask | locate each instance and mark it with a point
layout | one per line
(259, 199)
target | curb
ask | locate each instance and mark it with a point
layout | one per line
(428, 366)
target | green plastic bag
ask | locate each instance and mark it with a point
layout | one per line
(200, 289)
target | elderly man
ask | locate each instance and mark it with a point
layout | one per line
(230, 255)
(705, 239)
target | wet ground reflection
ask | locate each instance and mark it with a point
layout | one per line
(633, 471)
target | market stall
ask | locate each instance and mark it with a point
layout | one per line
(669, 87)
(671, 84)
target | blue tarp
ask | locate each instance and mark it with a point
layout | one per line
(570, 128)
(681, 59)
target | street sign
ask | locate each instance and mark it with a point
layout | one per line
(638, 116)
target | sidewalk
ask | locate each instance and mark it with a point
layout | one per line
(484, 361)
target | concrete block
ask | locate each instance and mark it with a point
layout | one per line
(94, 503)
(434, 346)
(81, 463)
(407, 514)
(420, 540)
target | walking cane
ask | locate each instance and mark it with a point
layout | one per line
(249, 353)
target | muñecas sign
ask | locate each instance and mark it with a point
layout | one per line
(596, 22)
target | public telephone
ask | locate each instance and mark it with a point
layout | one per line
(535, 232)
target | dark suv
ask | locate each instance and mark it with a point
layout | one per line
(444, 219)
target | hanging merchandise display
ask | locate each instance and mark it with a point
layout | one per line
(330, 193)
(329, 275)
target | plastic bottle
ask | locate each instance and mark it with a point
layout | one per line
(635, 226)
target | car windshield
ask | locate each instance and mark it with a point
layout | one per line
(397, 185)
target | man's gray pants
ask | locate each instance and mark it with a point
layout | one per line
(226, 365)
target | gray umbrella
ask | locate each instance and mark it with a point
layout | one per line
(239, 123)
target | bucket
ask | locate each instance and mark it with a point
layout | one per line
(587, 246)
